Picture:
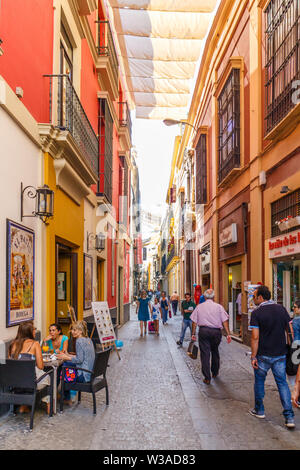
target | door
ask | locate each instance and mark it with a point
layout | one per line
(100, 280)
(120, 296)
(234, 299)
(66, 283)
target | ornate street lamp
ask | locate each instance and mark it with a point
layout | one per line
(99, 240)
(44, 202)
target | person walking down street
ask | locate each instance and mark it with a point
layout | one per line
(155, 314)
(142, 310)
(211, 318)
(187, 308)
(174, 301)
(165, 305)
(269, 323)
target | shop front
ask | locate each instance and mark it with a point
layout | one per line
(233, 243)
(284, 253)
(204, 263)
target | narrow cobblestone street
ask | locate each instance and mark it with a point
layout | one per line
(158, 401)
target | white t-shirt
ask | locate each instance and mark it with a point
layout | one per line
(156, 312)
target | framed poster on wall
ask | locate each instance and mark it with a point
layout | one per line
(61, 285)
(20, 265)
(88, 281)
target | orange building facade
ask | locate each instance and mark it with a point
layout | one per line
(245, 164)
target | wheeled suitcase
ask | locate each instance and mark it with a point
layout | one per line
(151, 327)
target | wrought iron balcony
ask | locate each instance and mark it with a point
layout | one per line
(124, 116)
(108, 63)
(171, 255)
(66, 112)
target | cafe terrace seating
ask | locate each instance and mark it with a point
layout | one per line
(18, 385)
(98, 380)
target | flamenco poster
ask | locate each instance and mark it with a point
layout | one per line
(20, 273)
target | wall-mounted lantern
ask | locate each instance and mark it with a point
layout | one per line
(44, 202)
(99, 241)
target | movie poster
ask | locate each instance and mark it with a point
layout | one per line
(20, 273)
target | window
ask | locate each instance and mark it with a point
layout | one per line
(201, 170)
(105, 150)
(229, 125)
(123, 191)
(282, 59)
(287, 205)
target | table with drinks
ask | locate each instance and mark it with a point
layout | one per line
(50, 360)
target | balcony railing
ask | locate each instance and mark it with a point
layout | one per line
(124, 116)
(106, 47)
(67, 113)
(171, 255)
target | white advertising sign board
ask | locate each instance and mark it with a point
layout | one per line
(228, 236)
(103, 322)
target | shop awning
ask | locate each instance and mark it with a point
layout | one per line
(159, 44)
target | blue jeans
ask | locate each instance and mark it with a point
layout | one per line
(185, 324)
(277, 365)
(165, 315)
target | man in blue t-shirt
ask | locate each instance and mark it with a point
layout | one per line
(269, 323)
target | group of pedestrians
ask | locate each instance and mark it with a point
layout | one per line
(157, 306)
(270, 323)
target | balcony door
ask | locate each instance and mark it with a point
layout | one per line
(65, 85)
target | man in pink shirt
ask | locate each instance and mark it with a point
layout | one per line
(211, 318)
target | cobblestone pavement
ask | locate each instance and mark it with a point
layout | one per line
(158, 401)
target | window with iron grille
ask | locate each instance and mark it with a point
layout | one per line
(229, 125)
(282, 59)
(201, 170)
(123, 191)
(288, 205)
(105, 150)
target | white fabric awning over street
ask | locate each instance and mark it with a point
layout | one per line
(159, 44)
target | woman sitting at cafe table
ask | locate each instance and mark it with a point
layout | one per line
(25, 347)
(56, 340)
(85, 354)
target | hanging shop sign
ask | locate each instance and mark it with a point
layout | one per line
(228, 236)
(20, 273)
(284, 245)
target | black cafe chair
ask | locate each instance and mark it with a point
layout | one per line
(98, 380)
(18, 385)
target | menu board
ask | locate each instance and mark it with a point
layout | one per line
(103, 322)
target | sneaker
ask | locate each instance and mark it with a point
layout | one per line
(289, 423)
(256, 414)
(179, 343)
